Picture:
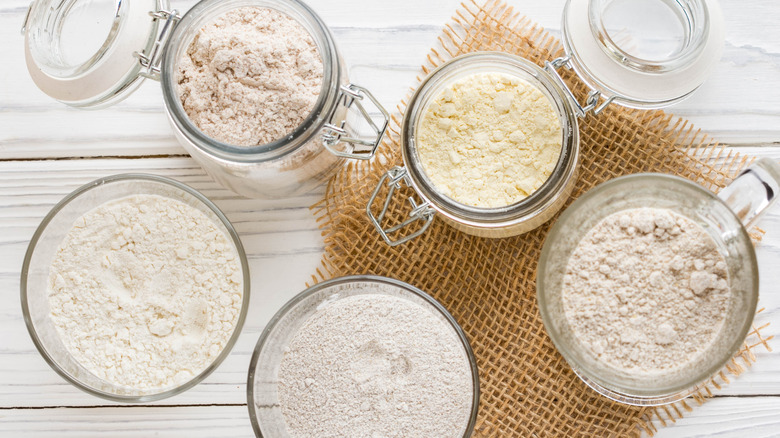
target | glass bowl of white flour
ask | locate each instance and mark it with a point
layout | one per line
(134, 288)
(363, 356)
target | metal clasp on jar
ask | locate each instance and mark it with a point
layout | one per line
(151, 61)
(422, 212)
(335, 133)
(594, 96)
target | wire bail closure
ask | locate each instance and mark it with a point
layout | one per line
(151, 61)
(594, 96)
(422, 212)
(333, 134)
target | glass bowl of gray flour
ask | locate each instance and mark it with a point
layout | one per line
(363, 356)
(134, 288)
(648, 283)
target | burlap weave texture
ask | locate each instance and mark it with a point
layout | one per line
(488, 285)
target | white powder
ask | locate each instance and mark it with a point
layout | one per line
(646, 290)
(375, 366)
(489, 140)
(250, 77)
(145, 291)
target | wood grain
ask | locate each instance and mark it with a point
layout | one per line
(724, 417)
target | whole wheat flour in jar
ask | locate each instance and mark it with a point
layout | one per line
(373, 365)
(145, 291)
(250, 77)
(489, 140)
(646, 290)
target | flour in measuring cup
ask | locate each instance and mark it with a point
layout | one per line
(646, 290)
(375, 366)
(145, 291)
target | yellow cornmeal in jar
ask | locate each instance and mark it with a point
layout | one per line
(489, 140)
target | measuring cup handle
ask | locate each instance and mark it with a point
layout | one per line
(753, 191)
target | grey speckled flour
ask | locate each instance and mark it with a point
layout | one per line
(250, 77)
(646, 290)
(375, 366)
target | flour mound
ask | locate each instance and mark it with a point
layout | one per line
(646, 291)
(145, 291)
(250, 77)
(489, 140)
(375, 366)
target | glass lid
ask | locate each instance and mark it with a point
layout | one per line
(642, 53)
(85, 53)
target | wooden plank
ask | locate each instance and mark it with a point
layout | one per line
(118, 422)
(727, 417)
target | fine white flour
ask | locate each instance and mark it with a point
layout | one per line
(375, 366)
(145, 291)
(646, 290)
(250, 77)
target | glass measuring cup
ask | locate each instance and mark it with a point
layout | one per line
(724, 217)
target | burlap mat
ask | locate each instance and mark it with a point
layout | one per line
(488, 284)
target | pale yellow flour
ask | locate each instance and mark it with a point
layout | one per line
(489, 140)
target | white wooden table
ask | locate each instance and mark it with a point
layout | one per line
(48, 149)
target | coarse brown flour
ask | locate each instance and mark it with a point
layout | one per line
(645, 290)
(250, 77)
(373, 365)
(145, 291)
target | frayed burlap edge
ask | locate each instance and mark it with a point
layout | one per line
(710, 164)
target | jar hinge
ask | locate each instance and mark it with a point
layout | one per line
(27, 18)
(591, 103)
(422, 212)
(151, 61)
(335, 133)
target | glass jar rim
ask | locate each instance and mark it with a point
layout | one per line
(695, 13)
(325, 106)
(85, 189)
(628, 391)
(529, 207)
(432, 302)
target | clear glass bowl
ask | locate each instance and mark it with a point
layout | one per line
(262, 397)
(43, 247)
(684, 198)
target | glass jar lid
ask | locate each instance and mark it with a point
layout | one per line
(90, 53)
(642, 53)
